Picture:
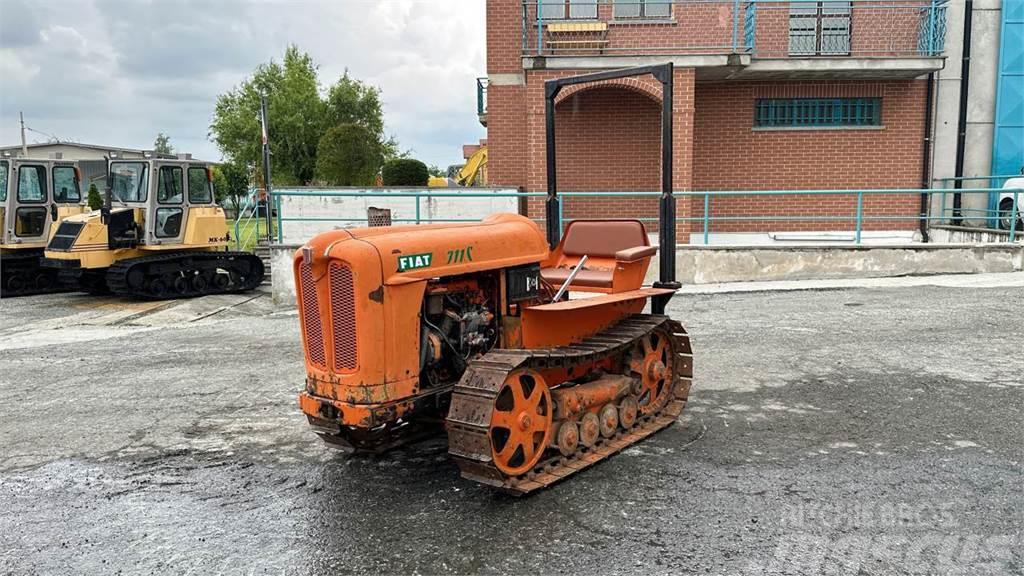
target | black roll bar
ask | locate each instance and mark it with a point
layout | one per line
(666, 205)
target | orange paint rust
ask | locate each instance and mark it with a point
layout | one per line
(387, 301)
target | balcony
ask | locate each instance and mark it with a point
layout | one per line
(744, 39)
(481, 100)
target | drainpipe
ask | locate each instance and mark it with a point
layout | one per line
(961, 126)
(926, 156)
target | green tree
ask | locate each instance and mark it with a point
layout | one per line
(162, 144)
(230, 184)
(405, 172)
(349, 155)
(93, 198)
(436, 170)
(299, 116)
(352, 101)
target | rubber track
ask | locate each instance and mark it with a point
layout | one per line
(15, 263)
(473, 401)
(117, 273)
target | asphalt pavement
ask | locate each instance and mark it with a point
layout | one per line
(868, 428)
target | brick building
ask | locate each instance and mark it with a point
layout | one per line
(769, 95)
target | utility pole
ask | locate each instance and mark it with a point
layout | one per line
(24, 147)
(266, 162)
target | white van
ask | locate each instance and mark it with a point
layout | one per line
(1006, 204)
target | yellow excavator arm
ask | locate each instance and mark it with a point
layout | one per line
(472, 173)
(475, 170)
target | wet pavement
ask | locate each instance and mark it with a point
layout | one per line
(851, 431)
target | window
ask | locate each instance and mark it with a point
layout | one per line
(642, 9)
(31, 184)
(168, 222)
(819, 28)
(65, 185)
(198, 186)
(29, 222)
(129, 181)
(567, 9)
(3, 181)
(817, 112)
(170, 185)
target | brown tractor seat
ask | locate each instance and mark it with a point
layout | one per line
(618, 253)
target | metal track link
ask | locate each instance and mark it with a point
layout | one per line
(173, 275)
(474, 396)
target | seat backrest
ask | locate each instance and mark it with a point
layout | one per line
(602, 238)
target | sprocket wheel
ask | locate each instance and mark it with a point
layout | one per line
(520, 426)
(653, 362)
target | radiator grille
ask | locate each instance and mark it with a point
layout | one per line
(343, 317)
(312, 325)
(65, 236)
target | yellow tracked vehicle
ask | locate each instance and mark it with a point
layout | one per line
(160, 235)
(35, 194)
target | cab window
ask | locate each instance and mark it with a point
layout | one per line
(168, 222)
(31, 184)
(170, 185)
(65, 185)
(129, 181)
(3, 181)
(198, 186)
(29, 221)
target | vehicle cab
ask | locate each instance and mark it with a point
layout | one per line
(35, 194)
(169, 202)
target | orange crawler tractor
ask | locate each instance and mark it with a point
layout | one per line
(411, 329)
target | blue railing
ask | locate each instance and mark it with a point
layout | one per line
(705, 218)
(762, 28)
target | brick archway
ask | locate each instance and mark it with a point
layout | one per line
(646, 86)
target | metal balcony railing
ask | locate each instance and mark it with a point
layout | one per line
(481, 96)
(761, 28)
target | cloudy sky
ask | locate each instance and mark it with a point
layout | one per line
(117, 72)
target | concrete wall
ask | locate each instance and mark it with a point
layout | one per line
(696, 265)
(334, 212)
(961, 235)
(282, 281)
(715, 265)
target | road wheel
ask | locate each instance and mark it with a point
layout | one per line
(628, 409)
(158, 288)
(221, 280)
(43, 281)
(520, 422)
(15, 283)
(181, 285)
